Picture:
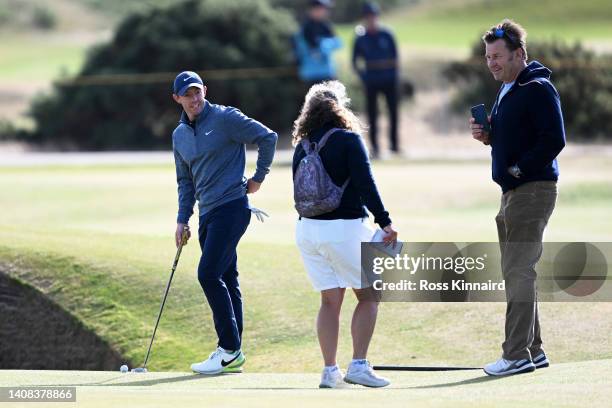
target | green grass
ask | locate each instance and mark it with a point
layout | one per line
(99, 241)
(458, 24)
(38, 58)
(445, 26)
(585, 384)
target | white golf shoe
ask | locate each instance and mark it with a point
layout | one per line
(220, 361)
(331, 378)
(507, 367)
(362, 373)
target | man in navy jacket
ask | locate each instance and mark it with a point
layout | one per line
(527, 134)
(376, 46)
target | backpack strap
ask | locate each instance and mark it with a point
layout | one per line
(308, 146)
(324, 139)
(321, 144)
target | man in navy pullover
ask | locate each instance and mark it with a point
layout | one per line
(376, 46)
(527, 134)
(209, 153)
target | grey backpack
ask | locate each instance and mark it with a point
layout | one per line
(314, 192)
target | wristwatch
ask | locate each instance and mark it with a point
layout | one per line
(515, 171)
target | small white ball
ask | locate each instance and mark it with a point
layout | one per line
(123, 369)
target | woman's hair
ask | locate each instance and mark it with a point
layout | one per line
(325, 103)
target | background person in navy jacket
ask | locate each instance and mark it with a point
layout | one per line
(526, 136)
(376, 50)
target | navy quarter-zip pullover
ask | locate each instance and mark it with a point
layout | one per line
(209, 155)
(527, 129)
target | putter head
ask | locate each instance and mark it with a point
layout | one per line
(139, 370)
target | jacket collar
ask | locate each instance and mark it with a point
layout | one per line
(534, 71)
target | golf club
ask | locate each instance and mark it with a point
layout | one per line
(184, 238)
(422, 368)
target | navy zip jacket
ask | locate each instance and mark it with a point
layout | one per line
(527, 129)
(343, 156)
(379, 52)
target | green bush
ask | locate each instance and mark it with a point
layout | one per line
(196, 35)
(582, 77)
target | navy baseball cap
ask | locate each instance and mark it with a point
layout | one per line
(370, 9)
(185, 80)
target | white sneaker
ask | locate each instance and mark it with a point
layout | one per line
(362, 373)
(507, 367)
(331, 378)
(218, 361)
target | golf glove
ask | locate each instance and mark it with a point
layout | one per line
(258, 213)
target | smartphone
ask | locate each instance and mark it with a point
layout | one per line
(479, 113)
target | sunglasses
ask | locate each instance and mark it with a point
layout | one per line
(500, 33)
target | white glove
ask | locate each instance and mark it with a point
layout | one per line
(258, 213)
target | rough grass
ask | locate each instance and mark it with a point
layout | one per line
(37, 59)
(446, 24)
(458, 24)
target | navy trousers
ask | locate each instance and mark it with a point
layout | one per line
(219, 233)
(391, 93)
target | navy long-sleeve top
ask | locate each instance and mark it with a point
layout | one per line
(210, 157)
(527, 129)
(379, 52)
(343, 156)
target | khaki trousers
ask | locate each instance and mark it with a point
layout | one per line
(521, 221)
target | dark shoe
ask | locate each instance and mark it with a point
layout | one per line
(541, 361)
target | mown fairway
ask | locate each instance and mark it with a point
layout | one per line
(585, 384)
(99, 241)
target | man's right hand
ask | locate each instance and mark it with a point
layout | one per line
(478, 133)
(178, 236)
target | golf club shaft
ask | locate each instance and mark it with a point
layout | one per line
(422, 368)
(161, 308)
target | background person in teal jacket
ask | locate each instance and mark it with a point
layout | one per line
(315, 44)
(375, 59)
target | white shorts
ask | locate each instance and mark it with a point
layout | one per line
(331, 250)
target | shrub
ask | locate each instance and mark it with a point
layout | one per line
(195, 35)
